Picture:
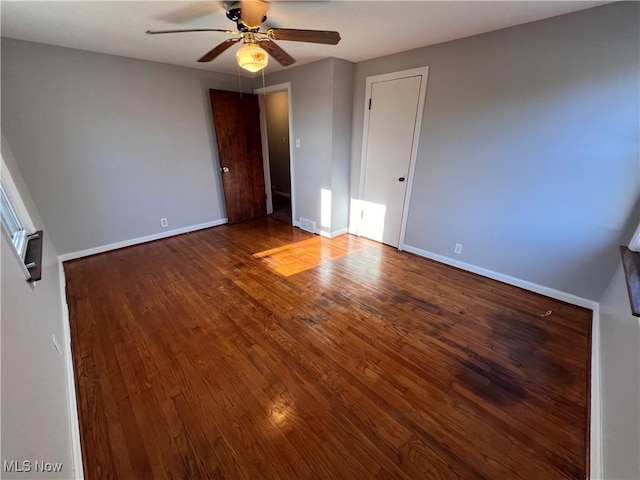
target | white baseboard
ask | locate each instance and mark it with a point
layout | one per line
(532, 287)
(136, 241)
(324, 234)
(281, 194)
(334, 234)
(596, 471)
(74, 425)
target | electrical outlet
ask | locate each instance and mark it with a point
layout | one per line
(56, 344)
(297, 143)
(163, 222)
(458, 248)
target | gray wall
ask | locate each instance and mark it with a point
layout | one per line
(110, 145)
(620, 365)
(277, 114)
(35, 411)
(341, 146)
(529, 147)
(315, 115)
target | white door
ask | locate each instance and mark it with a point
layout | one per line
(393, 115)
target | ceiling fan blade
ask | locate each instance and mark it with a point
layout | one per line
(157, 32)
(252, 12)
(311, 36)
(188, 11)
(214, 52)
(272, 48)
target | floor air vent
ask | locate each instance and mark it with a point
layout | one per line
(307, 225)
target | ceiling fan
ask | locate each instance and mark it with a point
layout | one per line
(257, 45)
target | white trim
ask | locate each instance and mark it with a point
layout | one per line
(596, 471)
(322, 233)
(337, 233)
(15, 198)
(135, 241)
(281, 194)
(261, 92)
(634, 244)
(424, 73)
(334, 234)
(74, 424)
(532, 287)
(264, 140)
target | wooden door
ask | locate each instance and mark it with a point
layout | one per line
(392, 119)
(236, 120)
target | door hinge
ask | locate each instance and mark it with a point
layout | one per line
(369, 104)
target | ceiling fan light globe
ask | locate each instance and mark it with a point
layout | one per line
(252, 58)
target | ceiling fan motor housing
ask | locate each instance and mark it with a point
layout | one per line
(234, 14)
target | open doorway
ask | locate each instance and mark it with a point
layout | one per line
(276, 106)
(275, 111)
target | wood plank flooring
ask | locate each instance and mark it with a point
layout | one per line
(259, 351)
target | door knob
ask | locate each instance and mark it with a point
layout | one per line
(224, 169)
(401, 179)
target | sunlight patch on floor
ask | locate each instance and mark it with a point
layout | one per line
(300, 256)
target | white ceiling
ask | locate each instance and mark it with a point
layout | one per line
(368, 29)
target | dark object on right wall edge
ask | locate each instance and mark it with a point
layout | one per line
(631, 265)
(33, 256)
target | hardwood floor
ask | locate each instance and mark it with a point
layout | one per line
(259, 351)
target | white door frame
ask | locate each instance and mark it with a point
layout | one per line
(414, 72)
(261, 92)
